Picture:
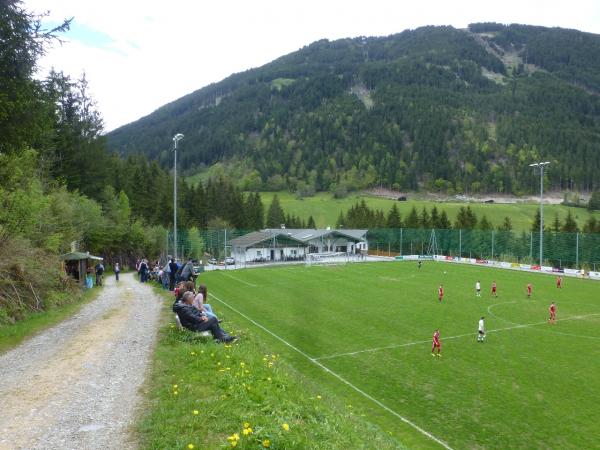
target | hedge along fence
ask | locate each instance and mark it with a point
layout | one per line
(559, 249)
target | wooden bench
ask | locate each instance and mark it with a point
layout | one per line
(181, 328)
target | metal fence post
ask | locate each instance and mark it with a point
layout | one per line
(460, 243)
(400, 241)
(576, 250)
(492, 244)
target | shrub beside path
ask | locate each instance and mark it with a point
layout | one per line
(77, 385)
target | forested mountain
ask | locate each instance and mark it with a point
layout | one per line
(434, 108)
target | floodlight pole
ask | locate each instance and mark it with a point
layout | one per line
(541, 165)
(176, 139)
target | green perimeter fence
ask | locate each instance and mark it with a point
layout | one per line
(577, 250)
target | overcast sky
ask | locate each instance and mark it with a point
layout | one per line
(140, 54)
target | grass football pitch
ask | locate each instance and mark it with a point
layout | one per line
(363, 333)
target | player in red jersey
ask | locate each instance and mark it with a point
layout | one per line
(529, 289)
(436, 343)
(441, 292)
(559, 283)
(552, 310)
(494, 293)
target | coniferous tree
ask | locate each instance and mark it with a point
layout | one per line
(556, 226)
(435, 218)
(255, 212)
(311, 222)
(506, 224)
(444, 221)
(339, 223)
(570, 225)
(394, 220)
(594, 203)
(275, 214)
(412, 220)
(484, 224)
(425, 219)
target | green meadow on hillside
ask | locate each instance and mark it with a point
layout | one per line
(362, 334)
(325, 209)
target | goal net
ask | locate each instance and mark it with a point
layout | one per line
(330, 258)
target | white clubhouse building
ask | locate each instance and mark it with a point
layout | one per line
(297, 244)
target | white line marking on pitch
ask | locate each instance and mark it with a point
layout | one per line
(339, 377)
(425, 341)
(489, 310)
(238, 279)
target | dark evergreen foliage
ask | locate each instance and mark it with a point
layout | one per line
(415, 110)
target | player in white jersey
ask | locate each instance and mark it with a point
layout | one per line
(481, 331)
(478, 289)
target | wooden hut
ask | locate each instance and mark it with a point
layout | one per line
(76, 265)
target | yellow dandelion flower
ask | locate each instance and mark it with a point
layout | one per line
(269, 379)
(174, 386)
(234, 443)
(190, 446)
(242, 364)
(218, 364)
(175, 393)
(196, 412)
(201, 351)
(246, 425)
(286, 427)
(193, 353)
(247, 371)
(246, 431)
(319, 397)
(266, 443)
(265, 359)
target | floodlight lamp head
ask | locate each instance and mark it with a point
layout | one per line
(177, 137)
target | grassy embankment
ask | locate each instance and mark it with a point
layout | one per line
(12, 335)
(207, 396)
(325, 209)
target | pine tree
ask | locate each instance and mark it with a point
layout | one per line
(484, 224)
(339, 223)
(255, 212)
(570, 226)
(275, 214)
(424, 219)
(435, 218)
(311, 222)
(506, 224)
(556, 226)
(394, 220)
(444, 223)
(412, 220)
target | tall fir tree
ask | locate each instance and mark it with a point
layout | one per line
(275, 214)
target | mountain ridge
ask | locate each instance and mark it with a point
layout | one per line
(433, 108)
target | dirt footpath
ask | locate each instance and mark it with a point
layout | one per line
(76, 385)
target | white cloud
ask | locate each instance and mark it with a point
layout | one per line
(163, 50)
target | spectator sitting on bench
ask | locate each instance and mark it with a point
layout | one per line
(200, 302)
(194, 320)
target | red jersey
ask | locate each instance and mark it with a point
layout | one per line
(559, 282)
(441, 291)
(529, 289)
(436, 338)
(493, 287)
(552, 310)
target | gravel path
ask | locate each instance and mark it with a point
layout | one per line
(76, 385)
